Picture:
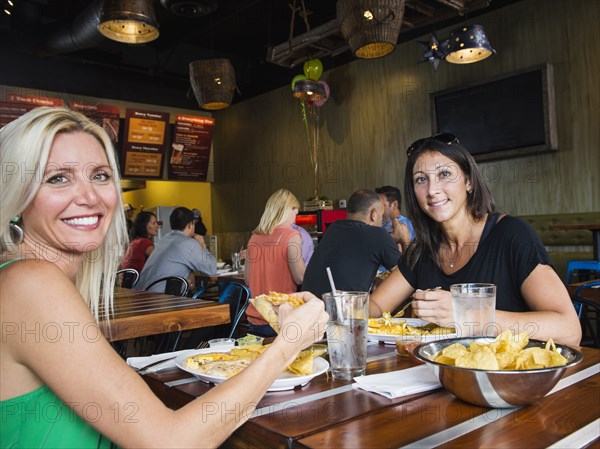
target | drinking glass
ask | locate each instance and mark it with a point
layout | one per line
(235, 261)
(474, 309)
(347, 333)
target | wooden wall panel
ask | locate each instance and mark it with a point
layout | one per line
(378, 107)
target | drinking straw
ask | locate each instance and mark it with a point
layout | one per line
(331, 283)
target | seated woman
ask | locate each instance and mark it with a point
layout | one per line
(274, 255)
(62, 234)
(144, 227)
(460, 238)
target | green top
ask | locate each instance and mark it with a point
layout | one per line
(40, 419)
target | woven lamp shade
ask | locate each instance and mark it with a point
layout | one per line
(213, 82)
(371, 27)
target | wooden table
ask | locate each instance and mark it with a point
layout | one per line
(212, 279)
(203, 281)
(329, 413)
(594, 227)
(142, 313)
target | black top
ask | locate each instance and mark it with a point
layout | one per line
(353, 250)
(508, 252)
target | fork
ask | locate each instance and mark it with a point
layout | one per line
(400, 312)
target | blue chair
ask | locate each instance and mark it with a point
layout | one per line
(575, 265)
(588, 312)
(237, 295)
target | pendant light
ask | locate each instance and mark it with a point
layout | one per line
(129, 21)
(468, 44)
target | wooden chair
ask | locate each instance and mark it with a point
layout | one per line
(173, 285)
(588, 311)
(127, 277)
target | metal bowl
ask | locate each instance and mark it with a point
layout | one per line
(495, 388)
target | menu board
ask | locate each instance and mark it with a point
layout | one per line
(17, 105)
(104, 115)
(190, 148)
(144, 143)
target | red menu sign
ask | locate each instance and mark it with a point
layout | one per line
(17, 105)
(104, 115)
(190, 148)
(144, 144)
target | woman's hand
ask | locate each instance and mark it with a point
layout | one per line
(433, 305)
(304, 325)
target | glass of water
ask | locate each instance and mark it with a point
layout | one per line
(347, 333)
(474, 309)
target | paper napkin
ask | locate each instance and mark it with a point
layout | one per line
(399, 383)
(140, 362)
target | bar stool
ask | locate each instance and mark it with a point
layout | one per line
(574, 265)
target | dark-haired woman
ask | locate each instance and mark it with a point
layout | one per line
(144, 227)
(461, 238)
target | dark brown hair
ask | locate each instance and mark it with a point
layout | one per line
(428, 234)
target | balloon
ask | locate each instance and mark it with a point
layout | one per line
(313, 69)
(322, 101)
(296, 79)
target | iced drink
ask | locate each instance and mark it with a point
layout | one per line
(347, 333)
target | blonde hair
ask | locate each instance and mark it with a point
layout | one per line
(24, 150)
(278, 204)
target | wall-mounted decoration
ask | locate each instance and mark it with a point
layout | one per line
(17, 105)
(104, 115)
(144, 143)
(190, 148)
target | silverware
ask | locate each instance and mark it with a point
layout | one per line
(202, 345)
(400, 313)
(186, 380)
(150, 365)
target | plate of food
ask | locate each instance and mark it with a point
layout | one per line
(387, 329)
(217, 365)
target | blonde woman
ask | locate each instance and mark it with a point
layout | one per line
(62, 233)
(274, 257)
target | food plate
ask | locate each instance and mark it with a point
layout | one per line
(416, 322)
(286, 380)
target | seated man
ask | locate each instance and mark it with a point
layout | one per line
(353, 248)
(400, 228)
(179, 253)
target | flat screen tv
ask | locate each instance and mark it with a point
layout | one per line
(507, 116)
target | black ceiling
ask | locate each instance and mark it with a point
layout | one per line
(241, 30)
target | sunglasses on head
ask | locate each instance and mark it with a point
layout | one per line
(446, 138)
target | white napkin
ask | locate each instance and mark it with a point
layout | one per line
(222, 271)
(399, 383)
(139, 362)
(229, 273)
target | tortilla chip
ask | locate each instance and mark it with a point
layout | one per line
(265, 304)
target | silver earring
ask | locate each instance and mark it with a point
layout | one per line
(16, 232)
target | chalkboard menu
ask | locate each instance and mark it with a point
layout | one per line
(508, 116)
